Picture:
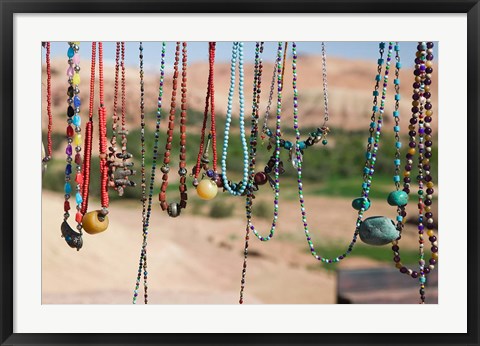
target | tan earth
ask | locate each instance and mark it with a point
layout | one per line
(196, 259)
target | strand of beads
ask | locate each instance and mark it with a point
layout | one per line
(380, 230)
(208, 188)
(48, 155)
(73, 238)
(253, 143)
(96, 221)
(320, 134)
(119, 179)
(421, 115)
(142, 266)
(174, 208)
(362, 203)
(235, 189)
(146, 223)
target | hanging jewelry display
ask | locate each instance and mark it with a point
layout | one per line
(119, 178)
(47, 156)
(96, 221)
(174, 208)
(320, 135)
(207, 188)
(253, 177)
(147, 208)
(421, 148)
(73, 133)
(233, 188)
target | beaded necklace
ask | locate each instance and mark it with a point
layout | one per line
(320, 135)
(119, 179)
(142, 267)
(232, 188)
(363, 203)
(252, 154)
(207, 188)
(48, 155)
(421, 115)
(96, 221)
(73, 238)
(173, 209)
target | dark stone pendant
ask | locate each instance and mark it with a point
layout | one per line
(73, 239)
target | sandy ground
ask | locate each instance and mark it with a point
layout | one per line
(195, 259)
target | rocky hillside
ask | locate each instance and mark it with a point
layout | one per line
(350, 91)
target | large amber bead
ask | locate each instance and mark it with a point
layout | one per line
(93, 222)
(207, 189)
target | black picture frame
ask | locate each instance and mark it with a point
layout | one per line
(7, 176)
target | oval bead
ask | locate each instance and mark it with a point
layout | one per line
(76, 101)
(67, 188)
(68, 169)
(68, 150)
(69, 131)
(77, 139)
(70, 52)
(77, 121)
(397, 198)
(70, 111)
(76, 58)
(207, 189)
(92, 224)
(76, 79)
(360, 202)
(78, 198)
(378, 230)
(70, 71)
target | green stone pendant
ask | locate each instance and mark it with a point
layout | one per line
(378, 230)
(360, 202)
(397, 198)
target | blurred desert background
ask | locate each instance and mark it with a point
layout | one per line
(197, 258)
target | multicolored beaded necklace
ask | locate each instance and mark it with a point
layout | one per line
(73, 238)
(48, 155)
(320, 135)
(174, 208)
(147, 208)
(233, 188)
(421, 115)
(96, 221)
(119, 179)
(252, 154)
(207, 188)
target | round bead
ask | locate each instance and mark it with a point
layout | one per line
(207, 189)
(260, 178)
(397, 198)
(93, 222)
(360, 202)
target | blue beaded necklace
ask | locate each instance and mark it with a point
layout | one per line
(235, 189)
(363, 203)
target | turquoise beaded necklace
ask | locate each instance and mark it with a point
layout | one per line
(363, 203)
(235, 189)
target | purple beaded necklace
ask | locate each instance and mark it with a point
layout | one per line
(421, 116)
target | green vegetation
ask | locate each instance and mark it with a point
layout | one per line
(221, 209)
(331, 170)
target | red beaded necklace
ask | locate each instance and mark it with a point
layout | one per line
(173, 209)
(48, 155)
(95, 221)
(207, 188)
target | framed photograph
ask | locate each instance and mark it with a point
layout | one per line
(239, 172)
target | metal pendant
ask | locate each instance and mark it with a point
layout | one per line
(73, 239)
(294, 159)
